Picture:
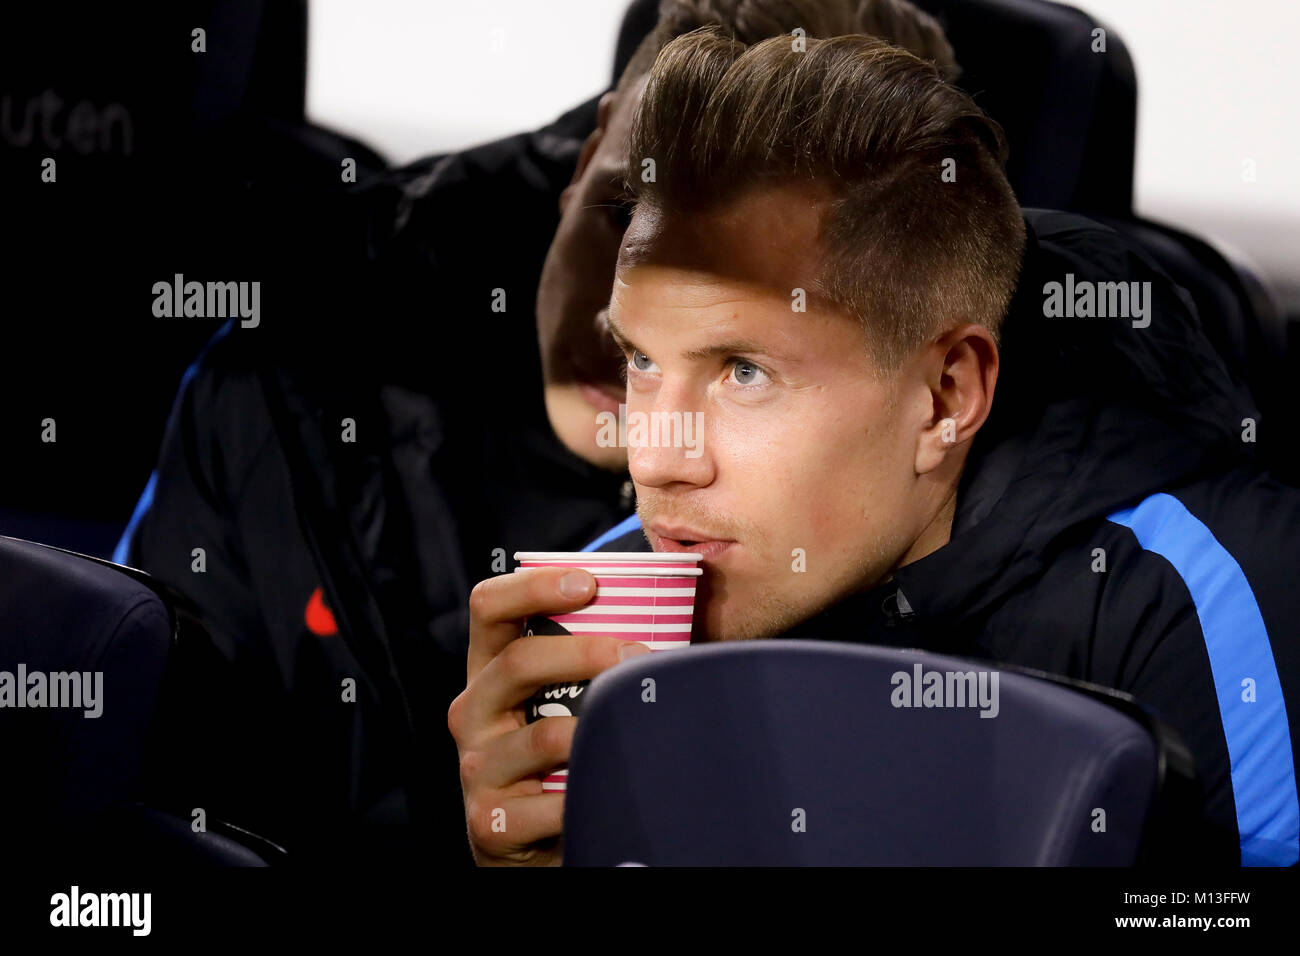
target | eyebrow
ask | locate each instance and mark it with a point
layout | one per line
(722, 348)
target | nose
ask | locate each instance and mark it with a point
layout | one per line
(666, 442)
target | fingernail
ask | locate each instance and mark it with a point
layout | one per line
(632, 649)
(575, 584)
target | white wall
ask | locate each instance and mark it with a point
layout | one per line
(1218, 84)
(413, 77)
(1218, 79)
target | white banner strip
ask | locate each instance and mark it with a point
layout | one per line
(645, 592)
(612, 629)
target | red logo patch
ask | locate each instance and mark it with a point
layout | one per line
(319, 618)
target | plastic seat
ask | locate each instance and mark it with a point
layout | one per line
(794, 753)
(92, 775)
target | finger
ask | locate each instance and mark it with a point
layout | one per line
(523, 668)
(502, 826)
(498, 605)
(503, 761)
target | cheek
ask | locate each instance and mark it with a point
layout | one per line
(786, 475)
(841, 491)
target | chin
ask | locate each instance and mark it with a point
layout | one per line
(723, 614)
(730, 624)
(573, 419)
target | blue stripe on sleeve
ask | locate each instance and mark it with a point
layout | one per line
(1257, 733)
(630, 523)
(123, 549)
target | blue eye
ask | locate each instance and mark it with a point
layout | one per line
(746, 373)
(636, 361)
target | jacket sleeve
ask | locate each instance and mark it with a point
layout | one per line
(184, 529)
(224, 724)
(1187, 641)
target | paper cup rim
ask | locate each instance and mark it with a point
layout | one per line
(620, 572)
(667, 557)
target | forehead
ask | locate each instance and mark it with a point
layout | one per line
(766, 238)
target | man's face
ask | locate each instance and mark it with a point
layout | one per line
(580, 365)
(804, 484)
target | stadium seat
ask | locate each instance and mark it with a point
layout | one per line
(1070, 114)
(789, 753)
(89, 782)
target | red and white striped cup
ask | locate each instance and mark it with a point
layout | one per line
(640, 596)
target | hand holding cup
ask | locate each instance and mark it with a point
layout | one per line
(510, 819)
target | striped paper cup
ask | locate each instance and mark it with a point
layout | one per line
(640, 596)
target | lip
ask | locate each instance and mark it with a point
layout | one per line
(664, 538)
(602, 398)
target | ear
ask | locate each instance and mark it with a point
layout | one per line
(961, 370)
(604, 110)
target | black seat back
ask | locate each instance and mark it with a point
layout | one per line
(115, 777)
(787, 752)
(60, 615)
(1070, 113)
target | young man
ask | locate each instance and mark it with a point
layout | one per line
(330, 487)
(910, 437)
